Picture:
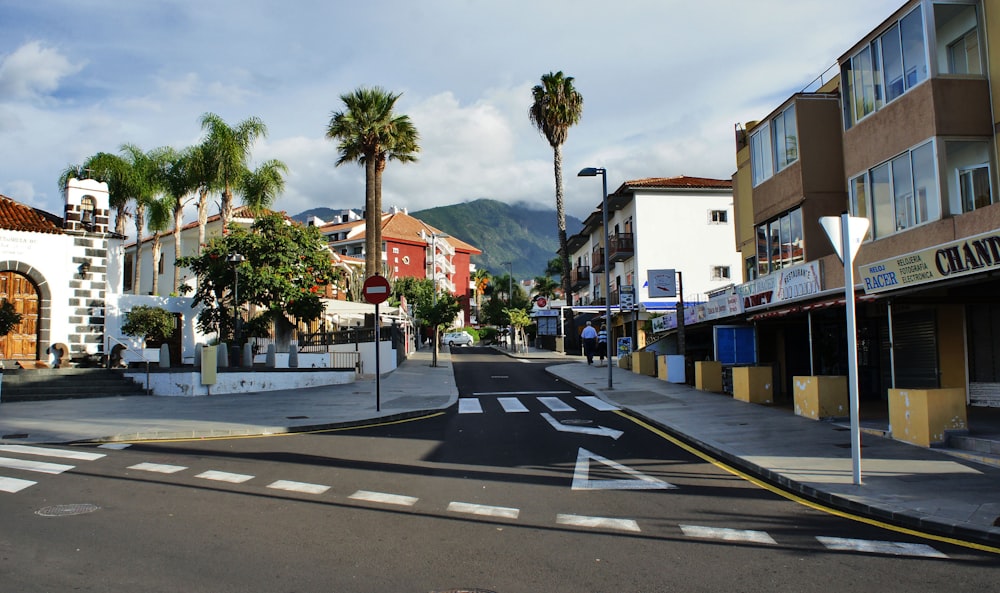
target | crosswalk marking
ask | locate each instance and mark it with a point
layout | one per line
(59, 453)
(597, 403)
(159, 468)
(298, 487)
(384, 498)
(556, 405)
(484, 510)
(224, 477)
(729, 535)
(598, 522)
(13, 485)
(34, 466)
(879, 547)
(469, 406)
(512, 404)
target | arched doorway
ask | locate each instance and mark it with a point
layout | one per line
(22, 342)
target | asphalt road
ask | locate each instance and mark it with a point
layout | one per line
(525, 486)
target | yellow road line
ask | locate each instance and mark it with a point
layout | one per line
(804, 501)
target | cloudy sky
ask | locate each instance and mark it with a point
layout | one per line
(664, 82)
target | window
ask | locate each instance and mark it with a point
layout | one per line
(894, 63)
(968, 179)
(773, 146)
(780, 243)
(720, 272)
(956, 27)
(160, 266)
(898, 194)
(760, 154)
(718, 217)
(395, 249)
(786, 142)
(128, 274)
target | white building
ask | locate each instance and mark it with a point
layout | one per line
(681, 223)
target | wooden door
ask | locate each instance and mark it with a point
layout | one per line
(22, 342)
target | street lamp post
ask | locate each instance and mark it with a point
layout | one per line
(510, 282)
(593, 172)
(236, 259)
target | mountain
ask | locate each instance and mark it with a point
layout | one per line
(518, 233)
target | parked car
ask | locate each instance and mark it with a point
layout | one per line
(457, 339)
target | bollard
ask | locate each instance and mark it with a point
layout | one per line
(197, 355)
(293, 355)
(164, 356)
(223, 350)
(247, 360)
(269, 359)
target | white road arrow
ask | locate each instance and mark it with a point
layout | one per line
(599, 431)
(636, 481)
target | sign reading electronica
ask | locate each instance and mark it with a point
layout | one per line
(972, 255)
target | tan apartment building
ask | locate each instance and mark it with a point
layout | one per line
(903, 134)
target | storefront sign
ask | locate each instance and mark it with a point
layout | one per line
(785, 285)
(965, 257)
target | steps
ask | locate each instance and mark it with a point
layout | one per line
(26, 385)
(983, 449)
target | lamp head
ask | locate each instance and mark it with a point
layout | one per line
(590, 172)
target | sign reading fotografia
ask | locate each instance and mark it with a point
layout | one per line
(964, 257)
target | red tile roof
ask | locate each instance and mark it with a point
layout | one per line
(401, 227)
(15, 216)
(680, 181)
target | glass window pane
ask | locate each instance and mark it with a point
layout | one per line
(760, 154)
(847, 94)
(883, 219)
(762, 260)
(795, 236)
(902, 192)
(788, 152)
(892, 63)
(774, 245)
(786, 240)
(911, 29)
(926, 200)
(864, 84)
(779, 143)
(859, 197)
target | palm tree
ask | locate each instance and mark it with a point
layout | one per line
(557, 105)
(480, 279)
(159, 211)
(202, 169)
(229, 150)
(108, 168)
(143, 182)
(261, 187)
(545, 286)
(179, 183)
(371, 135)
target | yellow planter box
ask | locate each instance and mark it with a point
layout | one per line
(644, 363)
(821, 396)
(625, 362)
(921, 416)
(753, 385)
(708, 375)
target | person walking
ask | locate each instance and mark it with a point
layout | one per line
(602, 343)
(589, 336)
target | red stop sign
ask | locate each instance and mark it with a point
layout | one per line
(375, 289)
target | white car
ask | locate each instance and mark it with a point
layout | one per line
(457, 339)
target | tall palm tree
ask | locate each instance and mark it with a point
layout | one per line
(480, 279)
(262, 186)
(202, 167)
(111, 169)
(144, 182)
(158, 215)
(230, 153)
(371, 135)
(179, 183)
(545, 286)
(555, 108)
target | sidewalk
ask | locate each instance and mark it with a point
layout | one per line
(919, 488)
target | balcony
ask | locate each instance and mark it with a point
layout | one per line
(579, 277)
(622, 247)
(597, 260)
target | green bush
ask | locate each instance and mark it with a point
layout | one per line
(488, 334)
(148, 323)
(9, 317)
(472, 331)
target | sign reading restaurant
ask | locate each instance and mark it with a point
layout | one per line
(964, 257)
(785, 285)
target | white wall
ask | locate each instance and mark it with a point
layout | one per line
(118, 305)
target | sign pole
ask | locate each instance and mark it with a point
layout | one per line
(852, 348)
(378, 363)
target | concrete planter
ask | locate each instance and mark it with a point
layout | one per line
(821, 397)
(753, 385)
(924, 416)
(708, 375)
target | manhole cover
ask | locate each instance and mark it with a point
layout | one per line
(64, 510)
(577, 421)
(296, 417)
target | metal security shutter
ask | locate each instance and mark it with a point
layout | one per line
(984, 348)
(914, 336)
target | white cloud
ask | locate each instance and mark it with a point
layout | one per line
(33, 71)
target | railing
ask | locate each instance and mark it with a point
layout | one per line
(622, 246)
(126, 348)
(580, 276)
(597, 260)
(347, 360)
